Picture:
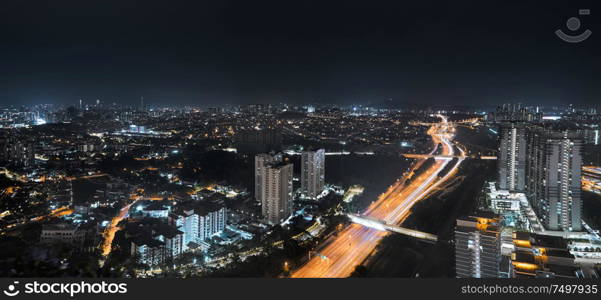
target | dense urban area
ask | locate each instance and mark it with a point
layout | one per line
(100, 189)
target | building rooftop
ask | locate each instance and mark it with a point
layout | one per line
(149, 205)
(200, 207)
(527, 239)
(149, 228)
(59, 226)
(146, 240)
(486, 222)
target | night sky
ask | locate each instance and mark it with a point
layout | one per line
(362, 52)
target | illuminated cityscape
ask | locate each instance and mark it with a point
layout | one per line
(190, 191)
(221, 140)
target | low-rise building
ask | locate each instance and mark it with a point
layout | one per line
(154, 242)
(538, 255)
(199, 220)
(62, 233)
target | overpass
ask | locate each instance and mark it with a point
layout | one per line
(383, 226)
(443, 157)
(418, 156)
(353, 244)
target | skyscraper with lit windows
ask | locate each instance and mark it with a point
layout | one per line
(261, 162)
(477, 247)
(554, 178)
(512, 158)
(313, 173)
(276, 192)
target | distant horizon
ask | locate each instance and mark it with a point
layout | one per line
(382, 105)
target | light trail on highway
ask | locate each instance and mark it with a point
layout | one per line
(113, 227)
(340, 255)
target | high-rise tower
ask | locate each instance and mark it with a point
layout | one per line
(512, 157)
(276, 192)
(313, 173)
(554, 175)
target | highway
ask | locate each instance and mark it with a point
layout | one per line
(113, 227)
(340, 255)
(382, 226)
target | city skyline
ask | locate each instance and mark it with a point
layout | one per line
(186, 191)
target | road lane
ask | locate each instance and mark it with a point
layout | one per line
(354, 243)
